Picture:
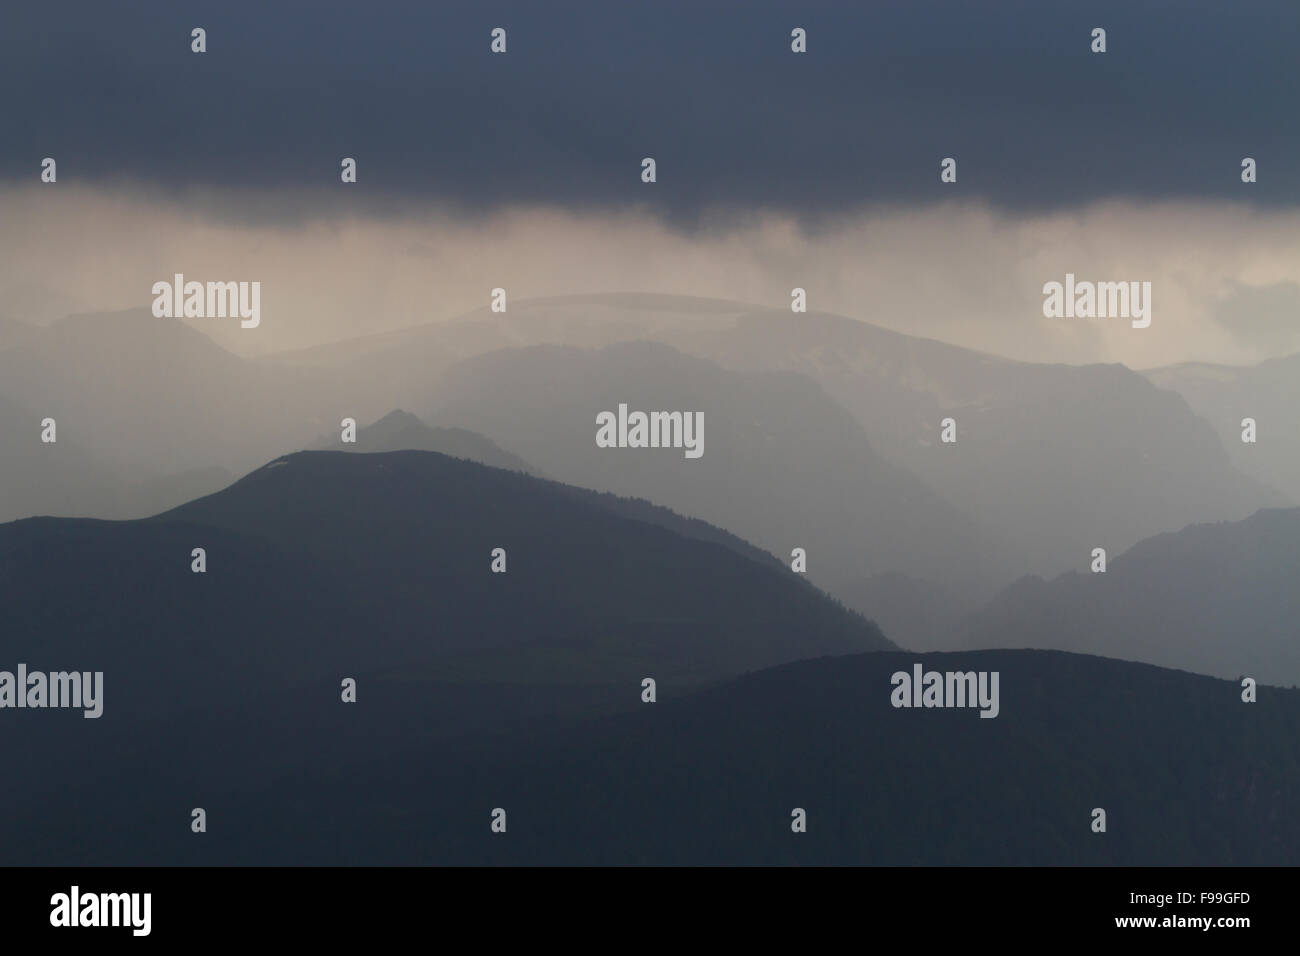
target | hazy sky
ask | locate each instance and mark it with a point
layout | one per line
(1225, 278)
(774, 169)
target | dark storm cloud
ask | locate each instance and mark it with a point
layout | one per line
(711, 90)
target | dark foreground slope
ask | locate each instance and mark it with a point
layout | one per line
(1186, 772)
(522, 691)
(325, 563)
(323, 566)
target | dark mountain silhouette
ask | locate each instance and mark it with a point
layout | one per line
(1218, 599)
(522, 691)
(402, 431)
(1187, 773)
(325, 565)
(638, 509)
(391, 555)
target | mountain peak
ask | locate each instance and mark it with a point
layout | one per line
(400, 430)
(399, 418)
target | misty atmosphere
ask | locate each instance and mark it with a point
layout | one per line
(822, 433)
(364, 567)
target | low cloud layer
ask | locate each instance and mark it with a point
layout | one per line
(1223, 277)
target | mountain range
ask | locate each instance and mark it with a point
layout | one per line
(782, 465)
(526, 691)
(1214, 598)
(1225, 395)
(828, 426)
(402, 431)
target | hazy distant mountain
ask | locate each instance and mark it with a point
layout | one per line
(56, 478)
(14, 333)
(1053, 460)
(375, 373)
(584, 321)
(782, 465)
(1050, 461)
(1186, 773)
(916, 614)
(63, 479)
(151, 397)
(1056, 459)
(1218, 599)
(39, 304)
(1269, 392)
(152, 496)
(402, 431)
(1060, 459)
